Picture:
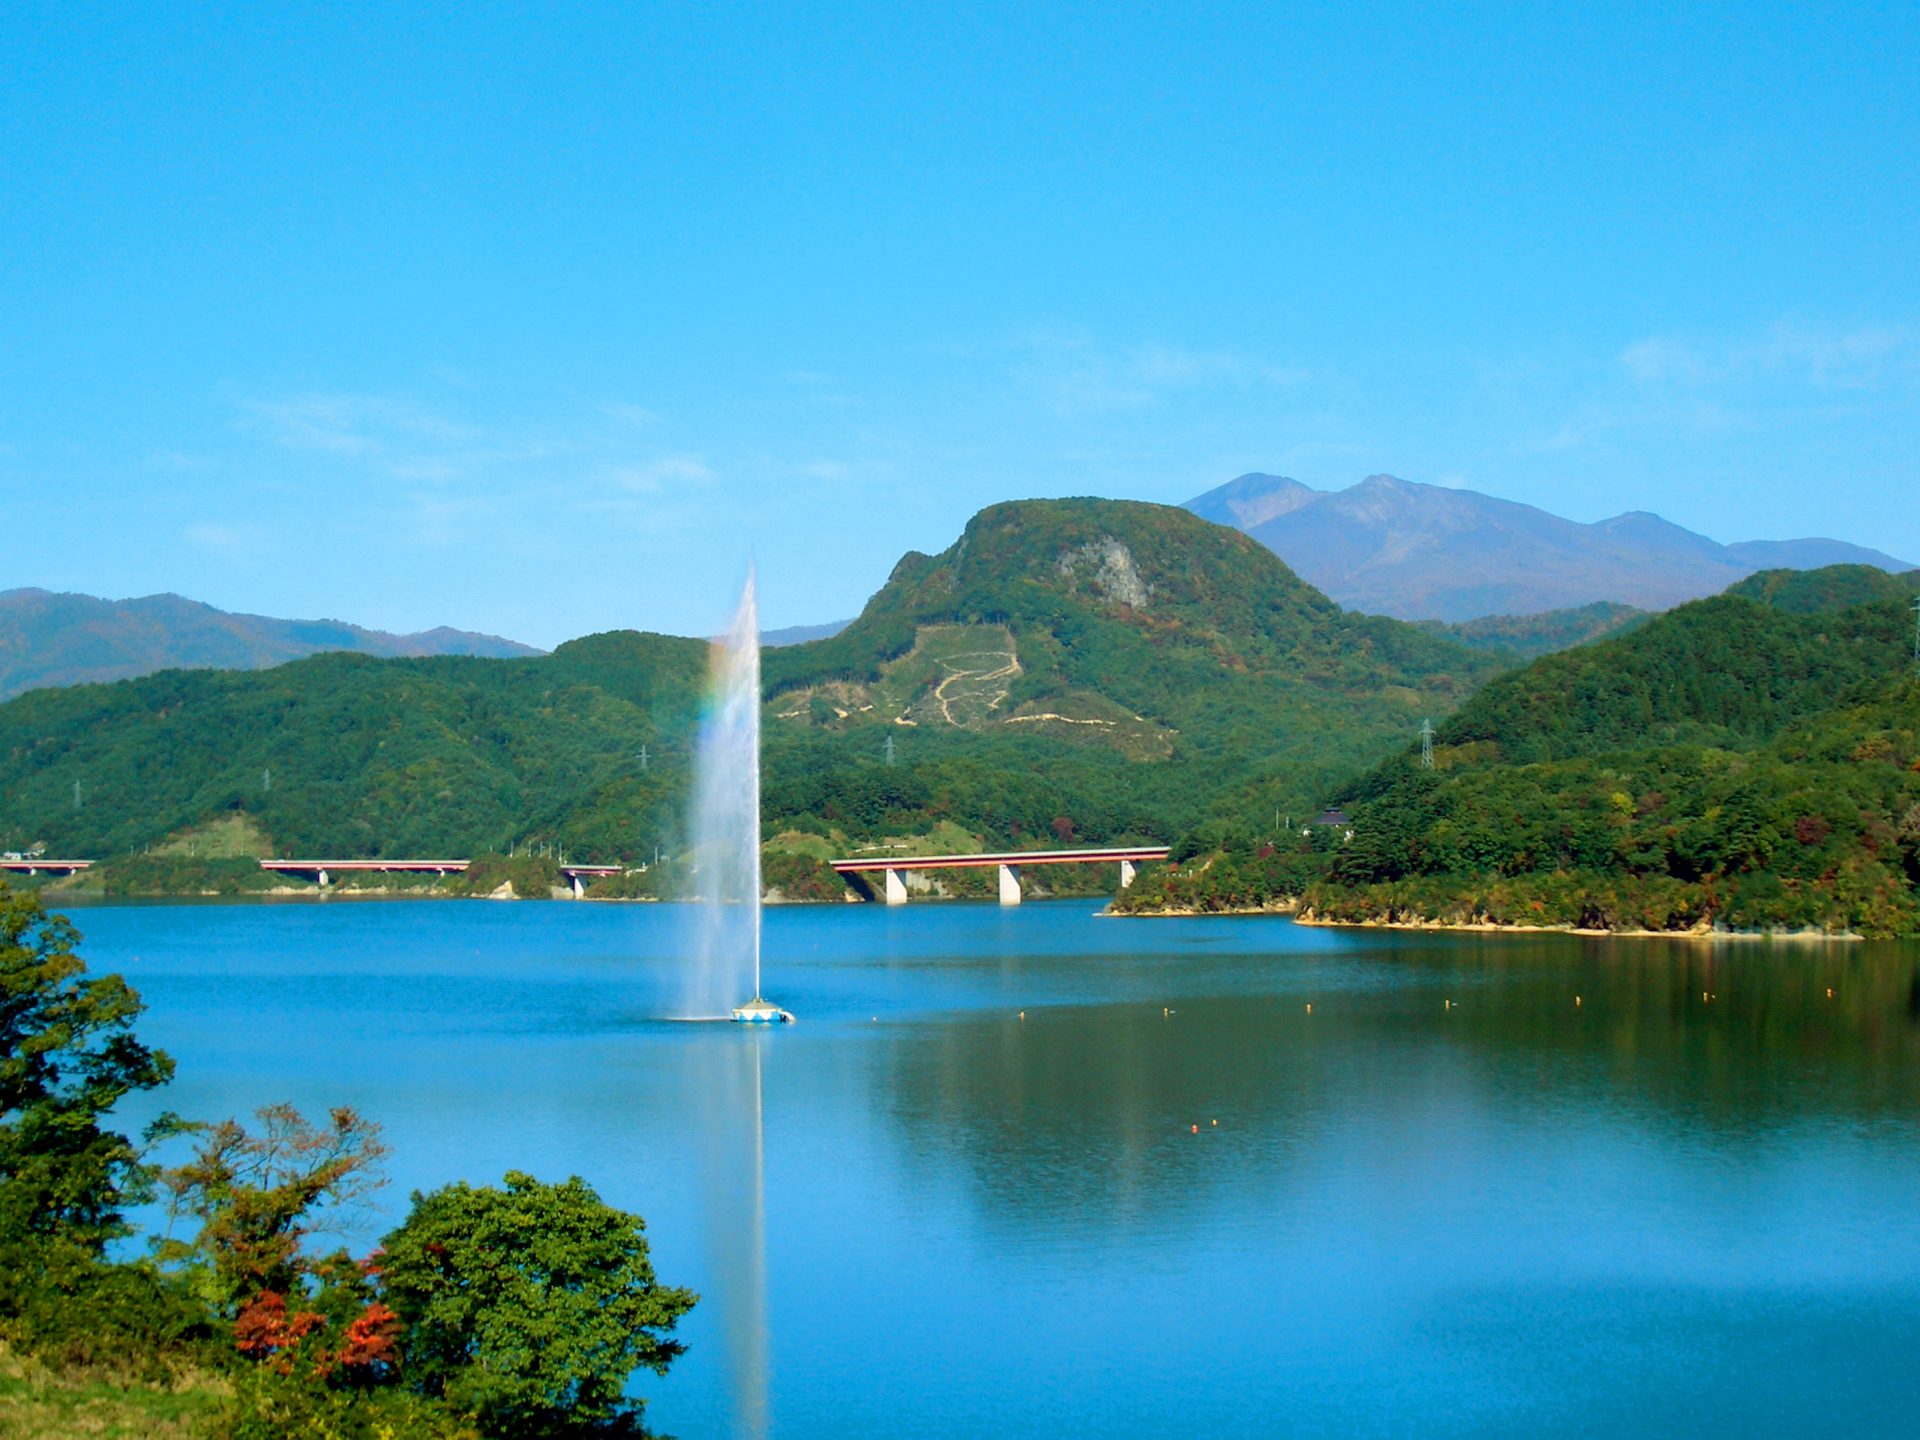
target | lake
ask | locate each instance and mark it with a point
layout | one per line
(1041, 1172)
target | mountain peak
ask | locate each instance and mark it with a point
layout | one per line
(1419, 551)
(1252, 499)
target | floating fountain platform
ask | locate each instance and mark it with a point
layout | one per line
(758, 1011)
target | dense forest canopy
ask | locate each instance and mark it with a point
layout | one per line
(1749, 760)
(1103, 669)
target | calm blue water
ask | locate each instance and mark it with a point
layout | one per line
(1648, 1213)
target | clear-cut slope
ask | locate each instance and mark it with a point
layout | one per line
(1397, 547)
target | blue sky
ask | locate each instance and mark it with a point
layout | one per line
(539, 320)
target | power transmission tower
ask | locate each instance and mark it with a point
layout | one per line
(1916, 632)
(76, 794)
(644, 760)
(889, 749)
(1426, 744)
(266, 781)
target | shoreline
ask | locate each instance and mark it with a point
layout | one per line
(1488, 927)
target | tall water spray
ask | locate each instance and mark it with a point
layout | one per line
(726, 828)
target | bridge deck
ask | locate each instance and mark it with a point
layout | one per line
(433, 865)
(1135, 853)
(436, 866)
(30, 866)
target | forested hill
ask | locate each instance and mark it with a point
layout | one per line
(353, 756)
(1725, 671)
(1093, 669)
(1748, 761)
(1525, 637)
(1837, 587)
(1159, 659)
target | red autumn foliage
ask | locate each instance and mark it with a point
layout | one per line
(368, 1351)
(371, 1344)
(264, 1331)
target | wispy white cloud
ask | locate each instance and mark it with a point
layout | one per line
(1858, 358)
(637, 416)
(180, 461)
(222, 539)
(1077, 374)
(654, 476)
(1789, 378)
(830, 471)
(355, 425)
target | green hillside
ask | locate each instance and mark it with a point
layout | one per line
(1093, 669)
(1724, 671)
(352, 756)
(1748, 761)
(1526, 637)
(1837, 587)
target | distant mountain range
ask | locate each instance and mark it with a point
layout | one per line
(1425, 552)
(800, 634)
(68, 639)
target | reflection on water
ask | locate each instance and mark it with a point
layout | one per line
(1485, 1186)
(734, 1198)
(1736, 1046)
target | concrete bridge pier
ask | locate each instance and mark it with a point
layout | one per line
(1127, 871)
(578, 888)
(896, 888)
(323, 879)
(1009, 885)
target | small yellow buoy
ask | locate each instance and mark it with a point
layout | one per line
(1309, 1008)
(1023, 1014)
(1216, 1122)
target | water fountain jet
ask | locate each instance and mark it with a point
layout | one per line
(726, 822)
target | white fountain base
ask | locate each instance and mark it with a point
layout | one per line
(762, 1012)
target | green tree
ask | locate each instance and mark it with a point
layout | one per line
(67, 1056)
(529, 1306)
(256, 1196)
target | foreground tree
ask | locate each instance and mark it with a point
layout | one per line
(67, 1056)
(258, 1194)
(529, 1306)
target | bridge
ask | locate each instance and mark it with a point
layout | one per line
(323, 871)
(1008, 862)
(34, 864)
